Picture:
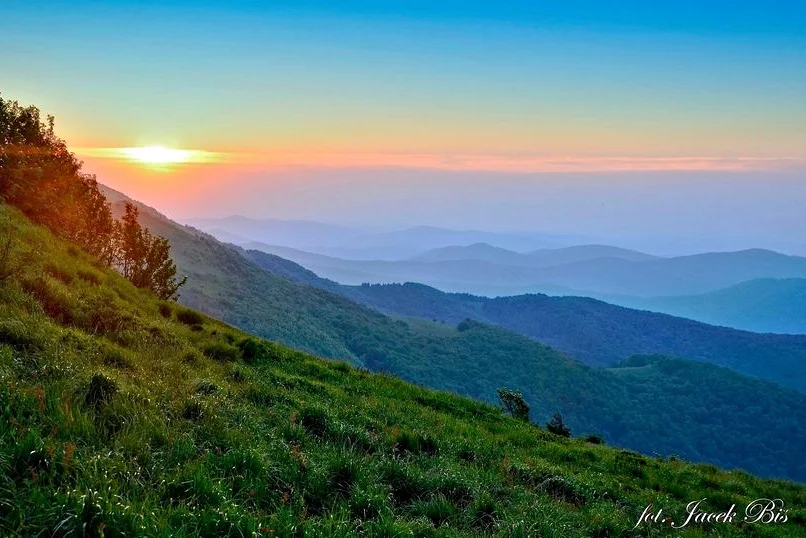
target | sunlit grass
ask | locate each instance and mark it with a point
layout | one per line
(122, 415)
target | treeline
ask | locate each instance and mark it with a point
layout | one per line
(40, 176)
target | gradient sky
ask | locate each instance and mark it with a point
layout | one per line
(368, 101)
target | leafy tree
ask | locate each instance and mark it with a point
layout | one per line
(143, 258)
(557, 426)
(513, 403)
(39, 176)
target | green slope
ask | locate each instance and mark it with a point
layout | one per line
(126, 416)
(593, 331)
(480, 359)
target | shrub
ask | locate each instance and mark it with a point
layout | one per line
(100, 391)
(59, 273)
(561, 489)
(189, 317)
(55, 300)
(165, 310)
(314, 420)
(595, 439)
(513, 404)
(89, 276)
(192, 410)
(205, 386)
(251, 350)
(116, 358)
(557, 426)
(415, 443)
(219, 351)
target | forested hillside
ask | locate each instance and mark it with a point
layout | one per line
(123, 415)
(477, 360)
(762, 305)
(595, 332)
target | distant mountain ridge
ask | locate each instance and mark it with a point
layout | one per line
(577, 271)
(593, 331)
(761, 305)
(476, 359)
(348, 243)
(535, 258)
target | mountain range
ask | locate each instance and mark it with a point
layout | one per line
(595, 332)
(361, 244)
(761, 305)
(476, 359)
(125, 415)
(567, 271)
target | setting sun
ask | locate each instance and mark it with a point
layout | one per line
(158, 155)
(154, 157)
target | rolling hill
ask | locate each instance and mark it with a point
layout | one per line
(366, 244)
(762, 305)
(595, 332)
(535, 258)
(470, 359)
(128, 416)
(560, 271)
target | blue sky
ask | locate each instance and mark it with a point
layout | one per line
(458, 88)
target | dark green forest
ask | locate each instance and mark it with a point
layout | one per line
(595, 332)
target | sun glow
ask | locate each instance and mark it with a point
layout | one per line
(158, 155)
(158, 158)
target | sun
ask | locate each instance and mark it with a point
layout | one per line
(158, 155)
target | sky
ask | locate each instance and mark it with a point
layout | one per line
(623, 119)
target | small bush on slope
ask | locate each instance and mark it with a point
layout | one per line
(186, 445)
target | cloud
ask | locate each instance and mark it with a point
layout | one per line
(522, 164)
(154, 155)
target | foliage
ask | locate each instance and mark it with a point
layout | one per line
(185, 445)
(40, 176)
(557, 426)
(189, 317)
(513, 404)
(143, 258)
(693, 410)
(594, 332)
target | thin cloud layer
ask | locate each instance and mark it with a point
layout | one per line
(517, 164)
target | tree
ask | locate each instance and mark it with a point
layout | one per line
(557, 426)
(40, 177)
(143, 258)
(513, 404)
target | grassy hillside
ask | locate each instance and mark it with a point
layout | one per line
(479, 359)
(595, 332)
(128, 416)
